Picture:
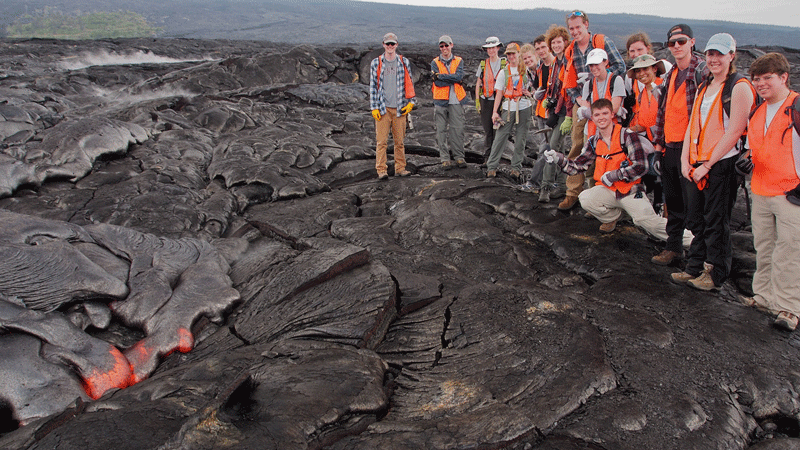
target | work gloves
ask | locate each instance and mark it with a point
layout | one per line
(538, 95)
(609, 178)
(407, 109)
(553, 156)
(585, 112)
(566, 126)
(376, 113)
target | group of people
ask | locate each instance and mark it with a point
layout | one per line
(677, 130)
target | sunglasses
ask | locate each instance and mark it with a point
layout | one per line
(390, 43)
(575, 14)
(679, 41)
(444, 45)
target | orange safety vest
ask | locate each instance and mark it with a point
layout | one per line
(773, 162)
(705, 136)
(676, 116)
(513, 92)
(571, 76)
(489, 78)
(408, 84)
(540, 109)
(645, 109)
(591, 128)
(611, 158)
(443, 93)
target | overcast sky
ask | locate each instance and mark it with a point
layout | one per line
(770, 12)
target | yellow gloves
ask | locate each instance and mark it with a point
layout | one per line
(478, 104)
(407, 109)
(566, 126)
(376, 114)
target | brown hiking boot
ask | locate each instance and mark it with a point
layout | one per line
(665, 258)
(447, 165)
(491, 173)
(461, 163)
(383, 176)
(704, 282)
(403, 173)
(568, 203)
(608, 227)
(681, 277)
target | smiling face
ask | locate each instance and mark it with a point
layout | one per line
(390, 48)
(529, 59)
(492, 52)
(579, 30)
(637, 48)
(513, 58)
(541, 49)
(645, 74)
(446, 50)
(599, 70)
(771, 86)
(718, 64)
(557, 45)
(602, 118)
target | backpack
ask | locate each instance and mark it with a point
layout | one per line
(727, 93)
(503, 63)
(649, 151)
(627, 102)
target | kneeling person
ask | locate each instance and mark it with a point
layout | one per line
(620, 162)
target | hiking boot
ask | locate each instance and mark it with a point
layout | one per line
(528, 187)
(608, 227)
(544, 194)
(557, 193)
(786, 321)
(491, 173)
(515, 174)
(704, 282)
(447, 165)
(568, 203)
(681, 277)
(403, 173)
(383, 176)
(665, 258)
(461, 163)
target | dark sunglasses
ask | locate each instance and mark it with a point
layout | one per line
(679, 41)
(390, 43)
(444, 45)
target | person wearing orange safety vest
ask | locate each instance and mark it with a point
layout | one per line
(583, 42)
(708, 157)
(487, 73)
(391, 98)
(541, 73)
(620, 161)
(674, 108)
(601, 84)
(512, 93)
(775, 151)
(449, 98)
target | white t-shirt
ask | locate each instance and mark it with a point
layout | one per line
(500, 86)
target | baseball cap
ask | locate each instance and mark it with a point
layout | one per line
(492, 41)
(446, 39)
(512, 48)
(680, 28)
(596, 56)
(389, 37)
(721, 42)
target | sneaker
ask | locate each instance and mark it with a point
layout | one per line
(568, 203)
(491, 173)
(383, 176)
(544, 194)
(665, 258)
(786, 321)
(461, 163)
(681, 277)
(403, 173)
(528, 187)
(608, 227)
(447, 165)
(704, 282)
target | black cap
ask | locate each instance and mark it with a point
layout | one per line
(680, 28)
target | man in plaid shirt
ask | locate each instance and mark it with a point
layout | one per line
(674, 110)
(620, 163)
(391, 98)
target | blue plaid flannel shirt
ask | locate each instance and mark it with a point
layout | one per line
(377, 100)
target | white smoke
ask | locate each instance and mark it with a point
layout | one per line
(106, 58)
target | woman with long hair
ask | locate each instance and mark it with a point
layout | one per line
(710, 149)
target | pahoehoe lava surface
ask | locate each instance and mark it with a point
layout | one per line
(197, 254)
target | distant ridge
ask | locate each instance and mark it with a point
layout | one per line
(351, 22)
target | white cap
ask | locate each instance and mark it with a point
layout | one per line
(596, 56)
(721, 42)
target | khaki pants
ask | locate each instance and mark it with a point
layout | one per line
(575, 182)
(602, 203)
(776, 282)
(398, 127)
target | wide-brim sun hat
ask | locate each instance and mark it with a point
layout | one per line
(643, 61)
(492, 41)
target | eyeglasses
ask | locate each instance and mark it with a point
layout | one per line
(444, 45)
(679, 41)
(390, 43)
